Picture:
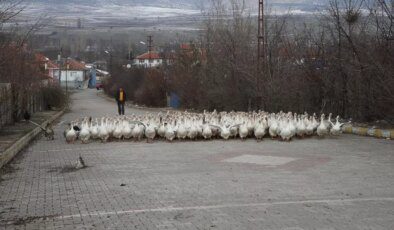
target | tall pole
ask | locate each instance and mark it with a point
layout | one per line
(59, 62)
(261, 37)
(67, 77)
(110, 63)
(150, 48)
(261, 55)
(150, 43)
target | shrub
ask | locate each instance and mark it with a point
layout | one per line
(152, 91)
(54, 97)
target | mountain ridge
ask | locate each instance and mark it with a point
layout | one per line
(190, 4)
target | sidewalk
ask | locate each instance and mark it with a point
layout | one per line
(13, 138)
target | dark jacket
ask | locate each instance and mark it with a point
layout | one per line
(117, 97)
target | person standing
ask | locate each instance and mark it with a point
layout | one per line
(121, 99)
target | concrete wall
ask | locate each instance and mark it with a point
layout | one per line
(5, 104)
(148, 62)
(75, 79)
(72, 76)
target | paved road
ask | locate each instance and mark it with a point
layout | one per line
(335, 183)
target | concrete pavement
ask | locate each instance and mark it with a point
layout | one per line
(334, 183)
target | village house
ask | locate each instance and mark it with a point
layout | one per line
(74, 74)
(148, 60)
(48, 68)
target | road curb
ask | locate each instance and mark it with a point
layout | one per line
(20, 144)
(371, 132)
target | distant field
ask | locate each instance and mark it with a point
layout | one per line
(136, 16)
(113, 16)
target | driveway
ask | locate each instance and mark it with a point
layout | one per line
(333, 183)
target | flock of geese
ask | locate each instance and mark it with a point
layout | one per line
(207, 125)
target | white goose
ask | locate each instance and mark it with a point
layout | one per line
(103, 132)
(300, 127)
(162, 129)
(138, 132)
(224, 131)
(117, 133)
(170, 133)
(150, 132)
(273, 128)
(315, 122)
(71, 134)
(286, 130)
(193, 131)
(243, 131)
(84, 134)
(261, 129)
(322, 129)
(181, 132)
(94, 130)
(309, 127)
(336, 128)
(207, 131)
(127, 130)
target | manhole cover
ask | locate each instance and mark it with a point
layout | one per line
(260, 160)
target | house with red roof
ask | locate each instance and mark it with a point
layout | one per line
(148, 60)
(74, 74)
(49, 69)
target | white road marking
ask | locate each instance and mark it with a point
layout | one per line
(208, 207)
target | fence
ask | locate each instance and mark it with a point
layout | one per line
(11, 110)
(5, 104)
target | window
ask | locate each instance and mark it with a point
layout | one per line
(151, 60)
(141, 61)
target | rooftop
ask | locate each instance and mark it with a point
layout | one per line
(151, 55)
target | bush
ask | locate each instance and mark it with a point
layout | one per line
(129, 80)
(143, 86)
(152, 91)
(54, 97)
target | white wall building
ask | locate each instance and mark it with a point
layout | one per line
(148, 60)
(74, 74)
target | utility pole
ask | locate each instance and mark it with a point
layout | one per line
(150, 43)
(67, 66)
(59, 62)
(110, 63)
(261, 37)
(261, 57)
(150, 48)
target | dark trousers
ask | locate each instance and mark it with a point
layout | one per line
(121, 108)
